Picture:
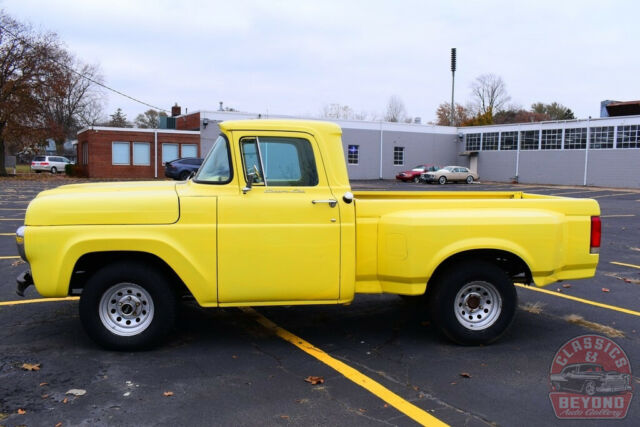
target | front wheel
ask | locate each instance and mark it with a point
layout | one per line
(184, 175)
(442, 180)
(127, 306)
(473, 303)
(416, 179)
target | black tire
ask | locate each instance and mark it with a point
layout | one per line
(469, 179)
(38, 171)
(107, 291)
(54, 170)
(473, 303)
(442, 180)
(416, 179)
(184, 175)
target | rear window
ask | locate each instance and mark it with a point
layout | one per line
(38, 159)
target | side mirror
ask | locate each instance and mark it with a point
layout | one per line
(250, 178)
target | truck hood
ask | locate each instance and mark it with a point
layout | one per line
(106, 203)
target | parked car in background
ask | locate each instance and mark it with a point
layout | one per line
(180, 169)
(450, 173)
(414, 174)
(53, 164)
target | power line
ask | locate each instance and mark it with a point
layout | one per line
(83, 75)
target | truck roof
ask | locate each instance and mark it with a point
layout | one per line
(282, 124)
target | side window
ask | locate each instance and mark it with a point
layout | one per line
(279, 161)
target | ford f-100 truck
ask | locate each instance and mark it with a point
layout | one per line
(270, 219)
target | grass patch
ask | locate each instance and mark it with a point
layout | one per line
(596, 327)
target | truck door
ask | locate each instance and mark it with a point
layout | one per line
(279, 238)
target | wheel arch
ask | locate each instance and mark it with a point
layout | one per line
(88, 264)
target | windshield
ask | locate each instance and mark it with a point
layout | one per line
(216, 168)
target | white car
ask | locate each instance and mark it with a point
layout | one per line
(53, 164)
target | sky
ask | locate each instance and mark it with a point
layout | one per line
(296, 57)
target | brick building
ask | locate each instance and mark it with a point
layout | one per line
(105, 152)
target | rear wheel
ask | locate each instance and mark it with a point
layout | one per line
(469, 179)
(416, 179)
(127, 306)
(442, 180)
(473, 302)
(54, 169)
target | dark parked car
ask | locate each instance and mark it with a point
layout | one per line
(180, 169)
(590, 379)
(414, 174)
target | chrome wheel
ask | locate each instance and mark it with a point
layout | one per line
(478, 305)
(126, 309)
(590, 388)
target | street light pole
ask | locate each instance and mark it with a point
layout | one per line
(453, 80)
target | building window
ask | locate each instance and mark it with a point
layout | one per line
(141, 153)
(352, 154)
(628, 136)
(169, 152)
(120, 153)
(529, 139)
(85, 153)
(398, 156)
(601, 137)
(490, 141)
(509, 141)
(473, 142)
(575, 139)
(189, 150)
(552, 139)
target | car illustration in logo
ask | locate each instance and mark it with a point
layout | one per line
(590, 379)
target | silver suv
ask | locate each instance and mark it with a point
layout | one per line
(53, 164)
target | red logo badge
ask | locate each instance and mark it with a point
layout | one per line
(591, 378)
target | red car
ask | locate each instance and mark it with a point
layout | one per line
(414, 174)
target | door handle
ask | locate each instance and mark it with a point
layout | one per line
(332, 202)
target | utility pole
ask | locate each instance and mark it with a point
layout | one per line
(453, 80)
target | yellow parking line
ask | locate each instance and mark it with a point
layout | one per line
(584, 301)
(11, 219)
(616, 216)
(407, 408)
(13, 209)
(612, 195)
(33, 301)
(576, 192)
(9, 257)
(625, 265)
(7, 234)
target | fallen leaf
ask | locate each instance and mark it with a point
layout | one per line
(558, 290)
(77, 392)
(21, 411)
(58, 425)
(415, 387)
(453, 383)
(44, 396)
(43, 384)
(362, 410)
(566, 285)
(386, 405)
(65, 400)
(465, 375)
(31, 366)
(427, 323)
(234, 357)
(605, 290)
(167, 394)
(286, 417)
(314, 380)
(17, 263)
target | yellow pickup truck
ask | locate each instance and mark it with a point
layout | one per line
(270, 219)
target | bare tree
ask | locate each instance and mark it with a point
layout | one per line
(489, 92)
(23, 68)
(149, 119)
(69, 99)
(395, 110)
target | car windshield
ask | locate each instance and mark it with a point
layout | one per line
(216, 168)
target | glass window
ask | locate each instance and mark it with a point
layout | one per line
(551, 139)
(120, 153)
(490, 141)
(352, 154)
(529, 139)
(575, 139)
(473, 142)
(216, 168)
(509, 140)
(169, 152)
(189, 150)
(601, 137)
(398, 156)
(628, 137)
(141, 153)
(277, 161)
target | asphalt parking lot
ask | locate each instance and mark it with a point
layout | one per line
(231, 367)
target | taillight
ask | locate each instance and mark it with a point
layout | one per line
(44, 163)
(596, 234)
